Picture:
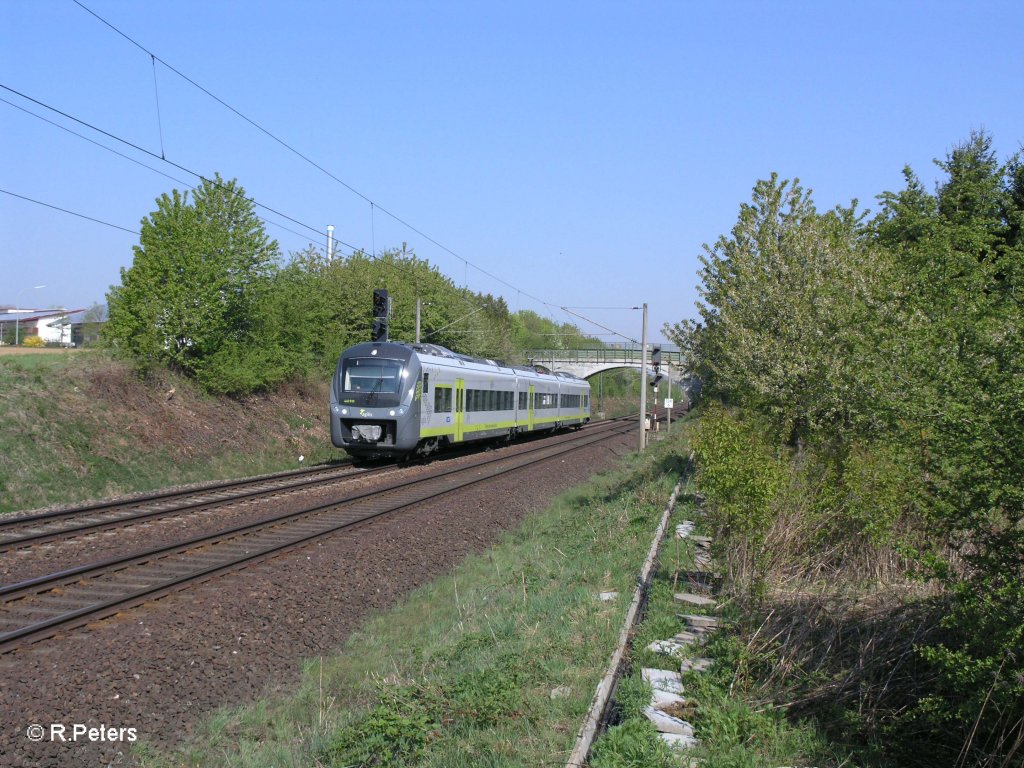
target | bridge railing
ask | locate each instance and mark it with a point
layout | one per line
(598, 355)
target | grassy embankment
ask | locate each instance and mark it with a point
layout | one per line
(80, 426)
(463, 673)
(494, 664)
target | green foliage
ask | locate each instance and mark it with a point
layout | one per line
(783, 298)
(394, 733)
(484, 697)
(206, 294)
(192, 297)
(531, 331)
(737, 471)
(890, 353)
(634, 744)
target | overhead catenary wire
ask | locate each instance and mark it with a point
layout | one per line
(594, 322)
(374, 205)
(162, 156)
(152, 154)
(73, 213)
(138, 162)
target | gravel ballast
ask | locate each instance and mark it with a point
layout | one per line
(155, 673)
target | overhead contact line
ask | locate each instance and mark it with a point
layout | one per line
(372, 203)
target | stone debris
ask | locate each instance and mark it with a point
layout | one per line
(697, 621)
(663, 680)
(664, 700)
(669, 648)
(678, 645)
(685, 528)
(667, 686)
(697, 664)
(679, 741)
(608, 596)
(666, 723)
(560, 692)
(692, 599)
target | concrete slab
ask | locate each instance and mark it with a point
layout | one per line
(664, 700)
(665, 723)
(663, 679)
(696, 664)
(670, 648)
(690, 637)
(699, 621)
(680, 742)
(691, 599)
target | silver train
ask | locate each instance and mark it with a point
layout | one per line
(398, 400)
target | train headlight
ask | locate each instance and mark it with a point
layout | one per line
(344, 411)
(336, 408)
(392, 413)
(369, 432)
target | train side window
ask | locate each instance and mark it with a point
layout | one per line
(442, 399)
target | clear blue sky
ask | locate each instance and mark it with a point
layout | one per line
(582, 152)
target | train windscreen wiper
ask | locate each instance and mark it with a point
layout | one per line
(371, 396)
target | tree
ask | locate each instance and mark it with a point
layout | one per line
(962, 260)
(193, 294)
(782, 297)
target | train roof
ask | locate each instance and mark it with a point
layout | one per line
(436, 350)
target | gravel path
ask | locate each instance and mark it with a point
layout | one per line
(162, 668)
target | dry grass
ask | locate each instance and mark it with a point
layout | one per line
(84, 426)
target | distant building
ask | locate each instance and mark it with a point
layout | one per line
(53, 326)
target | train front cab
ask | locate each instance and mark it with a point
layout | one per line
(375, 405)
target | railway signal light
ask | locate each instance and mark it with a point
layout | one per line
(656, 358)
(381, 312)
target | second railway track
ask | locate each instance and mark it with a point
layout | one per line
(19, 532)
(37, 608)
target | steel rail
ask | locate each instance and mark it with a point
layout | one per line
(448, 480)
(67, 528)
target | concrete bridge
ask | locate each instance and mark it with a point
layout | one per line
(588, 362)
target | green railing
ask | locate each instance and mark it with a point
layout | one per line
(598, 355)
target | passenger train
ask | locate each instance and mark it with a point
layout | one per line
(400, 400)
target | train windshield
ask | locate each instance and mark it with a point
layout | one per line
(372, 374)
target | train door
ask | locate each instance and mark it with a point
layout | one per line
(529, 409)
(460, 408)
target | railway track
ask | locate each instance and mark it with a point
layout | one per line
(41, 607)
(30, 530)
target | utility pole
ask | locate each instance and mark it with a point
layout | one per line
(419, 308)
(643, 383)
(668, 411)
(330, 242)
